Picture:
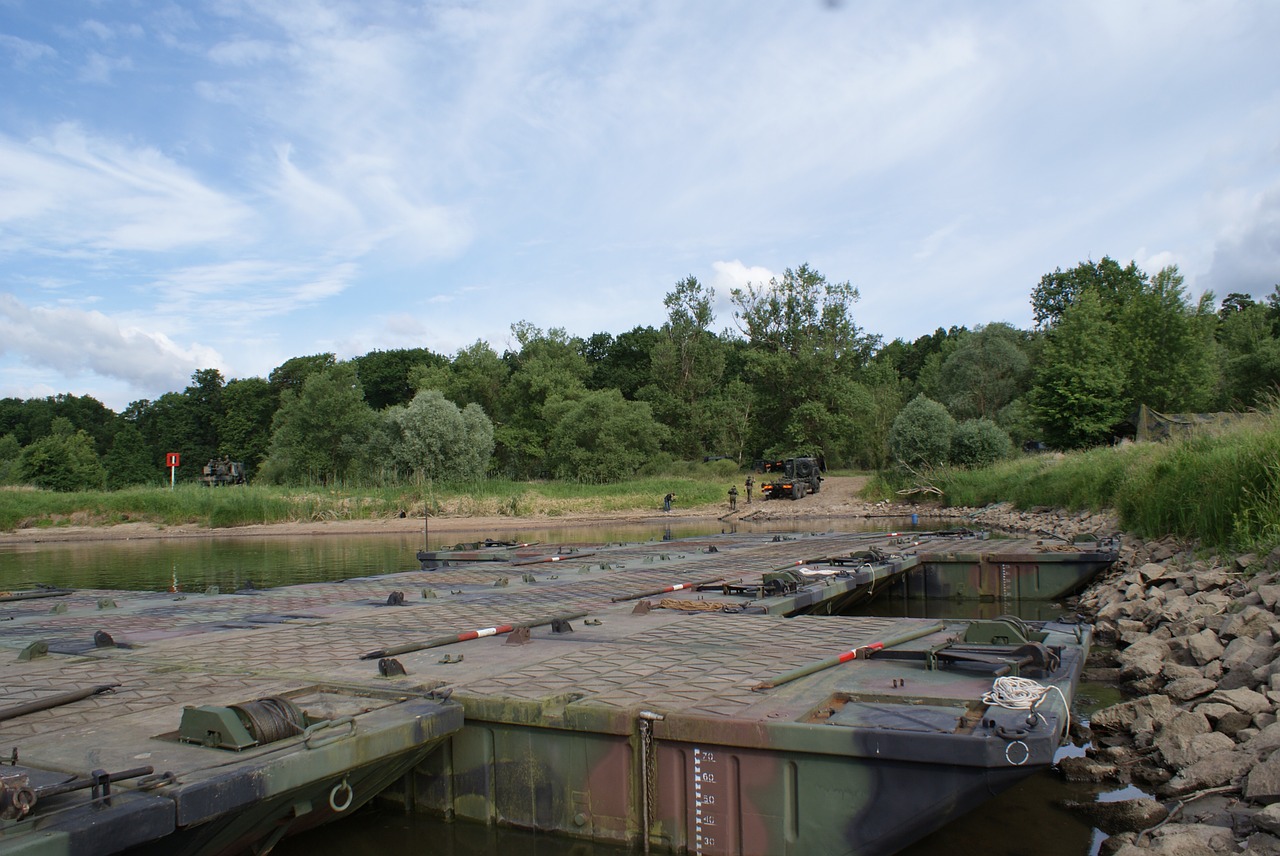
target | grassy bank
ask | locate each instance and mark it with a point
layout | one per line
(1221, 486)
(253, 504)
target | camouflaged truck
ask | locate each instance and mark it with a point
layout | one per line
(792, 477)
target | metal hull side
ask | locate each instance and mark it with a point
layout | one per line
(863, 793)
(1034, 577)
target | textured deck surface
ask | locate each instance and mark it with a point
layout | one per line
(195, 649)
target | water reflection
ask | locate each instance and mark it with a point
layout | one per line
(231, 563)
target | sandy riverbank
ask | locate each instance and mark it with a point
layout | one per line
(837, 499)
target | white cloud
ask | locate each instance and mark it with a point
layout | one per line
(77, 343)
(98, 68)
(73, 189)
(25, 53)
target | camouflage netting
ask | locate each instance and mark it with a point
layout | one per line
(1153, 425)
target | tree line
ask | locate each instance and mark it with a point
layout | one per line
(793, 374)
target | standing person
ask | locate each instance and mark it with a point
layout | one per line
(733, 497)
(751, 482)
(666, 501)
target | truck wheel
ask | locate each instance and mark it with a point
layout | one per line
(815, 485)
(797, 490)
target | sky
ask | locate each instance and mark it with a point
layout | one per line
(232, 183)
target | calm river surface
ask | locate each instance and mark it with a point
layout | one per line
(1024, 820)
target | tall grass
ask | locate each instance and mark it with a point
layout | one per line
(1221, 486)
(694, 485)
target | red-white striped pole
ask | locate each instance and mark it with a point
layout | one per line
(851, 654)
(465, 636)
(668, 589)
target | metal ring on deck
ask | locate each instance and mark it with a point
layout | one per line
(344, 785)
(1025, 749)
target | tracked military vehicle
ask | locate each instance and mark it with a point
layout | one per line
(792, 477)
(220, 472)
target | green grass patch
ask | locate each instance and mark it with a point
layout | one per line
(223, 507)
(1221, 486)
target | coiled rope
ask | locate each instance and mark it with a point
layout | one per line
(1023, 694)
(271, 718)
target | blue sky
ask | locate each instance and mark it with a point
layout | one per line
(230, 184)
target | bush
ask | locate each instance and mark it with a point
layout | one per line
(978, 443)
(921, 433)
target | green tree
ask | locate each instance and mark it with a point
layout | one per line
(1110, 283)
(621, 362)
(1250, 355)
(921, 433)
(1163, 343)
(244, 431)
(1078, 395)
(10, 452)
(64, 460)
(549, 365)
(597, 436)
(385, 375)
(293, 372)
(803, 348)
(986, 370)
(320, 431)
(433, 438)
(129, 461)
(978, 443)
(687, 368)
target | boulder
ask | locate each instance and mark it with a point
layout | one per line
(1143, 659)
(1210, 771)
(1244, 700)
(1121, 816)
(1204, 647)
(1144, 714)
(1185, 689)
(1262, 785)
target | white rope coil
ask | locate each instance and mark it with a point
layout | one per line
(1023, 694)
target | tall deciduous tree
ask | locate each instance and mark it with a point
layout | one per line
(804, 352)
(248, 406)
(687, 368)
(1250, 355)
(1161, 343)
(433, 438)
(549, 365)
(319, 431)
(1078, 395)
(986, 371)
(129, 461)
(385, 375)
(597, 436)
(63, 460)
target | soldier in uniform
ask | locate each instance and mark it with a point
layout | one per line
(751, 482)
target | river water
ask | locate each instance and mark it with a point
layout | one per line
(1024, 820)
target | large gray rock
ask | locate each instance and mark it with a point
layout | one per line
(1182, 750)
(1121, 816)
(1142, 715)
(1211, 771)
(1245, 700)
(1262, 785)
(1270, 595)
(1185, 689)
(1249, 622)
(1268, 819)
(1143, 659)
(1204, 647)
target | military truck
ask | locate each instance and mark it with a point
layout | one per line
(222, 472)
(791, 477)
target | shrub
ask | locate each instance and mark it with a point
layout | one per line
(921, 433)
(978, 443)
